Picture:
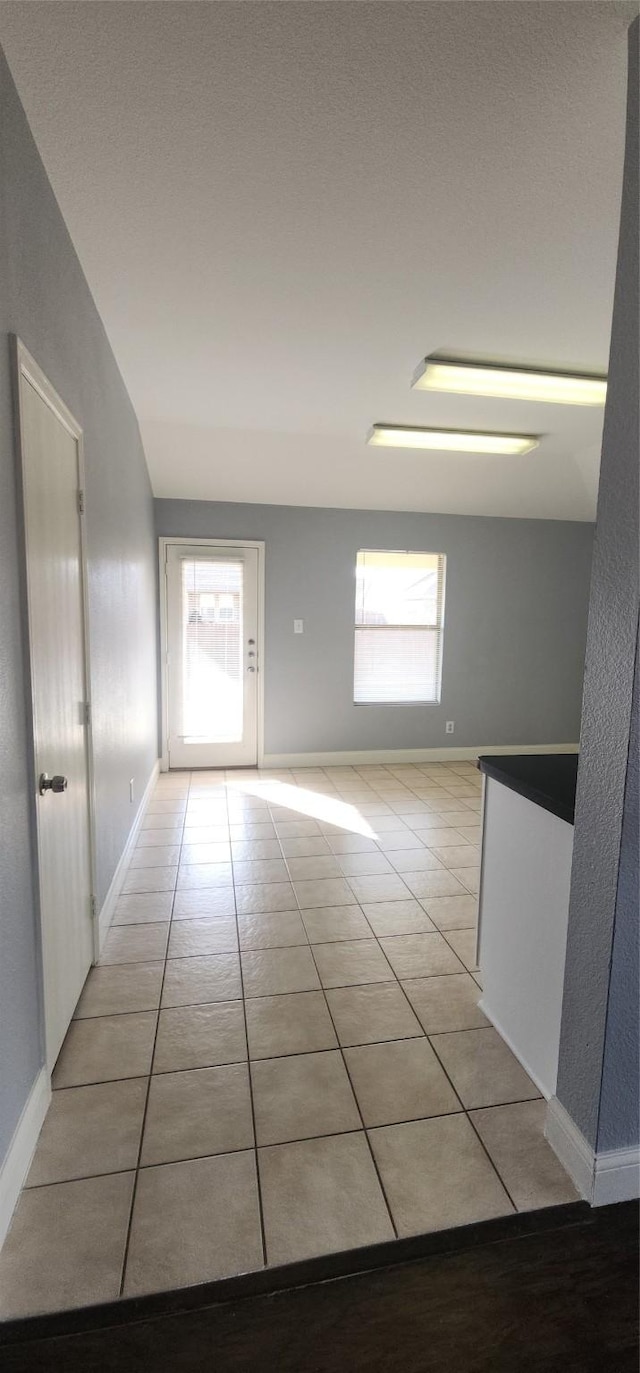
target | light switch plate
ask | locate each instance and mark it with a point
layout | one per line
(298, 626)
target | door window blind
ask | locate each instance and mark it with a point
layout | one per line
(398, 627)
(212, 635)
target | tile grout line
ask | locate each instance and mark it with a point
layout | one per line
(488, 1155)
(353, 1091)
(295, 1139)
(467, 1111)
(358, 1108)
(263, 1235)
(357, 1044)
(225, 1001)
(125, 1257)
(454, 950)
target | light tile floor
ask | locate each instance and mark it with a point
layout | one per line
(280, 1054)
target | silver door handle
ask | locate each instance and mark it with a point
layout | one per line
(251, 669)
(55, 784)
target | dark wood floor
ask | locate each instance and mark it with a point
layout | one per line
(563, 1299)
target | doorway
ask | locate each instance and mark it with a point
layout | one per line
(212, 631)
(51, 460)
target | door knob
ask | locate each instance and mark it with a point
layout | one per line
(251, 669)
(55, 784)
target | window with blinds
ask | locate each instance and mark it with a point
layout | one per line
(399, 627)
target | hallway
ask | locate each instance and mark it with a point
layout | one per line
(325, 919)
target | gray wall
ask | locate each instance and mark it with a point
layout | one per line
(45, 299)
(515, 623)
(595, 1007)
(618, 1124)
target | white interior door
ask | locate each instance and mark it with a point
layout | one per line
(51, 467)
(213, 654)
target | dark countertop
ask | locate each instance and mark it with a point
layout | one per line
(548, 779)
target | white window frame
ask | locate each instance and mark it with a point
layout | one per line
(408, 552)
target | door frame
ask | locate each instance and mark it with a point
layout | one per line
(24, 365)
(164, 543)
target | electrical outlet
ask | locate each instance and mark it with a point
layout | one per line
(298, 626)
(131, 788)
(449, 727)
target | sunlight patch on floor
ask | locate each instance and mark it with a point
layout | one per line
(313, 804)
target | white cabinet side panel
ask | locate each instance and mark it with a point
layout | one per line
(523, 925)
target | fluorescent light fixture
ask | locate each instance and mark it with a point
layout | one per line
(517, 383)
(450, 440)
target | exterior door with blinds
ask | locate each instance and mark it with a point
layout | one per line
(212, 655)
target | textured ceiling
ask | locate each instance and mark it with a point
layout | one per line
(281, 208)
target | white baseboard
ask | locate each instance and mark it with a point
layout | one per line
(404, 755)
(21, 1149)
(567, 1141)
(610, 1176)
(542, 1087)
(617, 1176)
(109, 904)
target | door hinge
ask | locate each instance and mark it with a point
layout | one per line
(87, 712)
(93, 906)
(81, 502)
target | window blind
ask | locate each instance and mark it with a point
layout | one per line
(212, 636)
(398, 627)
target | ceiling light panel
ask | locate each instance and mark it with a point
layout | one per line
(450, 440)
(514, 383)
